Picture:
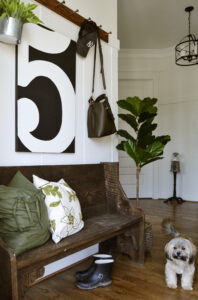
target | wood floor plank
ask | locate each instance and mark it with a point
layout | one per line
(130, 280)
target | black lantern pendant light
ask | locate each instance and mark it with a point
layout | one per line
(186, 52)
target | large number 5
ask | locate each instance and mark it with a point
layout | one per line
(28, 118)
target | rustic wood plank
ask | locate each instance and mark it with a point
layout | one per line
(70, 15)
(86, 180)
(96, 230)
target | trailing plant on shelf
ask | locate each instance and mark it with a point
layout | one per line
(142, 146)
(18, 10)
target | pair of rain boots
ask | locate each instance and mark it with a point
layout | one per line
(98, 274)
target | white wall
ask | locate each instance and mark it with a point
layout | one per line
(87, 150)
(101, 11)
(177, 91)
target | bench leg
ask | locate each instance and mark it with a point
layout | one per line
(27, 278)
(132, 243)
(8, 274)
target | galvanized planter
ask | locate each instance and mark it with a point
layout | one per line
(10, 30)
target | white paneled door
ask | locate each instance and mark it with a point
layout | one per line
(129, 88)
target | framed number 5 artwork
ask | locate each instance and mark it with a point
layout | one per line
(45, 91)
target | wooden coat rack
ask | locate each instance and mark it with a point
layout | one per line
(70, 15)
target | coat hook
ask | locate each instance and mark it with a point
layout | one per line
(74, 12)
(110, 32)
(63, 2)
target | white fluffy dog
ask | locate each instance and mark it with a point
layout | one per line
(180, 254)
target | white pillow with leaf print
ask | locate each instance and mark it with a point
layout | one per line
(63, 207)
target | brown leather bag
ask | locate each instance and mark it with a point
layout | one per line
(100, 119)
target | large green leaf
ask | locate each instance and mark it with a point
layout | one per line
(147, 105)
(149, 101)
(146, 128)
(143, 155)
(164, 139)
(125, 105)
(125, 134)
(120, 146)
(138, 154)
(146, 116)
(131, 149)
(131, 120)
(146, 140)
(135, 102)
(155, 149)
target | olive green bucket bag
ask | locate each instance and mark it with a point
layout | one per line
(23, 215)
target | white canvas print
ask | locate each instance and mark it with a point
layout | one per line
(45, 91)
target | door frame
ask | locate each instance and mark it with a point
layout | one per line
(154, 77)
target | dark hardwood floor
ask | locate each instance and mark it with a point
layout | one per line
(130, 280)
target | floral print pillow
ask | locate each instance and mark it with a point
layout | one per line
(63, 207)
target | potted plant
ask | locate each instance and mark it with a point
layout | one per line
(13, 14)
(141, 144)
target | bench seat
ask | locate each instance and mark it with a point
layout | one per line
(96, 230)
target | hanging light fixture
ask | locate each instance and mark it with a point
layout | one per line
(186, 52)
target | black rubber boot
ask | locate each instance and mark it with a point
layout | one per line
(100, 277)
(81, 275)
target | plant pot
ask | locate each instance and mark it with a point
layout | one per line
(10, 30)
(148, 237)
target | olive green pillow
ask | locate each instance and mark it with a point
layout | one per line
(20, 181)
(24, 220)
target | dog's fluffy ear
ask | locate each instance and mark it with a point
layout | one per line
(167, 252)
(193, 254)
(191, 259)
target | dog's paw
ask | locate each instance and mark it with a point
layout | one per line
(172, 286)
(187, 287)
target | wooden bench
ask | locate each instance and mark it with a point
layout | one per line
(107, 213)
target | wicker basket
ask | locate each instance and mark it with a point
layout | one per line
(148, 237)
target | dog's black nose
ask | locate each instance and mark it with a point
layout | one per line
(178, 253)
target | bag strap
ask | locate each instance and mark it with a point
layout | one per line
(101, 64)
(94, 67)
(101, 97)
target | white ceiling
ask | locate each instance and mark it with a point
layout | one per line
(154, 24)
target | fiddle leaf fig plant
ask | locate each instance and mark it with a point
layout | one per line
(19, 10)
(141, 144)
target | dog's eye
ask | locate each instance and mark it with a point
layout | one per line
(183, 248)
(174, 247)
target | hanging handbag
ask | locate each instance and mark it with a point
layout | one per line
(100, 119)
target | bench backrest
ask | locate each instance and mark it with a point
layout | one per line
(90, 181)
